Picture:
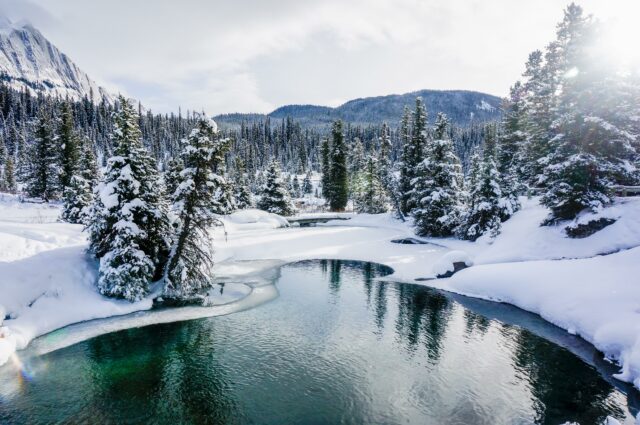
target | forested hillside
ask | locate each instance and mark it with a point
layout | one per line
(461, 106)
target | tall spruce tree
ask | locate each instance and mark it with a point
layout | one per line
(78, 194)
(510, 150)
(189, 267)
(438, 184)
(339, 176)
(370, 197)
(129, 227)
(172, 175)
(413, 155)
(406, 166)
(70, 147)
(275, 197)
(307, 187)
(325, 153)
(484, 214)
(9, 177)
(592, 146)
(243, 196)
(43, 170)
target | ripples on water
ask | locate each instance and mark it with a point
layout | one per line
(337, 346)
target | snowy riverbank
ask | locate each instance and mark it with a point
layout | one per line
(48, 282)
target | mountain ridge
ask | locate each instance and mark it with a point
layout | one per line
(461, 106)
(29, 60)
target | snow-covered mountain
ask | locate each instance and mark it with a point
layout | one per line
(28, 59)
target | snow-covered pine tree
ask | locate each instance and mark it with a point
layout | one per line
(77, 198)
(356, 164)
(484, 212)
(370, 196)
(307, 187)
(438, 184)
(413, 155)
(593, 146)
(172, 175)
(189, 267)
(274, 196)
(3, 152)
(295, 185)
(78, 193)
(242, 194)
(70, 147)
(325, 154)
(43, 170)
(339, 181)
(387, 178)
(539, 102)
(9, 177)
(511, 142)
(88, 164)
(406, 167)
(225, 199)
(129, 228)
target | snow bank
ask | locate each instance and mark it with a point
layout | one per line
(48, 291)
(523, 239)
(596, 298)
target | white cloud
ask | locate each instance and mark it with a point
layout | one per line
(252, 55)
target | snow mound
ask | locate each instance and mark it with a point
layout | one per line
(445, 263)
(253, 219)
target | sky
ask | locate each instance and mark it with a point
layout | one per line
(222, 56)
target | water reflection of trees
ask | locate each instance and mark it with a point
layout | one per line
(423, 315)
(170, 377)
(565, 389)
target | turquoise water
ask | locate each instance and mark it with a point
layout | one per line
(336, 346)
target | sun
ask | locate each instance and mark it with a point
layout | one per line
(619, 43)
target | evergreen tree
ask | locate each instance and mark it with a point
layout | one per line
(296, 187)
(510, 149)
(3, 152)
(88, 164)
(77, 199)
(539, 104)
(406, 166)
(189, 267)
(9, 178)
(243, 197)
(413, 154)
(370, 195)
(43, 171)
(307, 187)
(387, 178)
(339, 177)
(70, 147)
(129, 227)
(593, 145)
(438, 184)
(484, 212)
(274, 197)
(172, 175)
(325, 181)
(356, 164)
(225, 200)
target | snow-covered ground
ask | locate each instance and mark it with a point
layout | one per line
(48, 282)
